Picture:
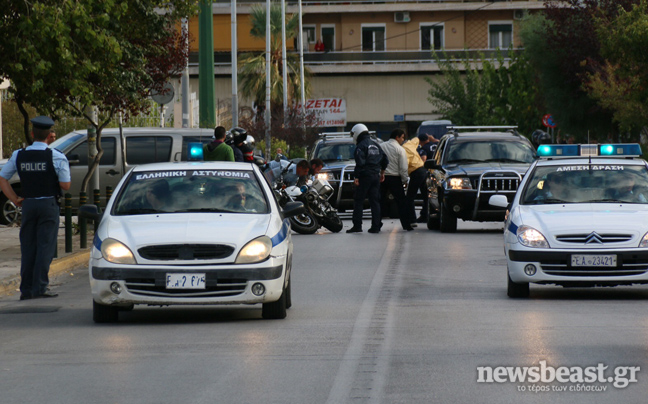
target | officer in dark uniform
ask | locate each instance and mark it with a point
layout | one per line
(43, 173)
(239, 136)
(371, 163)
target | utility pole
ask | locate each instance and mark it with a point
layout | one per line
(301, 61)
(268, 115)
(283, 60)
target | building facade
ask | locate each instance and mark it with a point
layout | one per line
(376, 54)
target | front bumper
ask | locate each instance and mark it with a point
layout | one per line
(224, 284)
(554, 267)
(468, 205)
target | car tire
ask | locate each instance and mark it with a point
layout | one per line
(102, 313)
(304, 223)
(447, 222)
(9, 213)
(517, 290)
(275, 310)
(333, 223)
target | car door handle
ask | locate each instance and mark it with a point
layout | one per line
(112, 172)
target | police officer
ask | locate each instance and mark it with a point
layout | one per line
(371, 163)
(43, 173)
(239, 136)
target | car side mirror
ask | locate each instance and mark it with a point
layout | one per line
(432, 165)
(293, 209)
(501, 201)
(90, 212)
(278, 158)
(260, 161)
(73, 159)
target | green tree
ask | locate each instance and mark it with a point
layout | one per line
(252, 70)
(63, 56)
(502, 92)
(620, 83)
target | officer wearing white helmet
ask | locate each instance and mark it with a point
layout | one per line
(371, 163)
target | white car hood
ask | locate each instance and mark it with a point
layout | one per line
(198, 228)
(553, 220)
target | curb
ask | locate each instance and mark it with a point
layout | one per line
(63, 265)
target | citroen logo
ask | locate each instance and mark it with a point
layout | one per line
(593, 237)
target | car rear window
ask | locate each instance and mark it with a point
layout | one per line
(184, 191)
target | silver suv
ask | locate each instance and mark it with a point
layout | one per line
(143, 145)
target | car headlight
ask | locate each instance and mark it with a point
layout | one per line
(116, 252)
(459, 183)
(644, 241)
(530, 237)
(325, 176)
(256, 250)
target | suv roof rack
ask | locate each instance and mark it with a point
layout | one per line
(340, 135)
(454, 130)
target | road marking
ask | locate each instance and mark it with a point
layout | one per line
(365, 365)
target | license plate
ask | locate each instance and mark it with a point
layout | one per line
(594, 260)
(185, 281)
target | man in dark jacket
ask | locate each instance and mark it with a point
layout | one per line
(371, 163)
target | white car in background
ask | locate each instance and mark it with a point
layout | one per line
(191, 233)
(580, 218)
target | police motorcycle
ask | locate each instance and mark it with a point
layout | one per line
(314, 195)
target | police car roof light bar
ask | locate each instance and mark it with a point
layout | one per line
(589, 150)
(195, 151)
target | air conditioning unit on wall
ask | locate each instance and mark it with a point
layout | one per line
(401, 16)
(519, 14)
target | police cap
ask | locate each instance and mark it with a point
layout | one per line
(42, 122)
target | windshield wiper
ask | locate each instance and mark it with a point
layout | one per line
(137, 211)
(464, 161)
(505, 160)
(553, 200)
(606, 200)
(214, 210)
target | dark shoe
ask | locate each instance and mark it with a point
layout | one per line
(25, 297)
(48, 293)
(374, 230)
(421, 220)
(408, 228)
(354, 230)
(414, 225)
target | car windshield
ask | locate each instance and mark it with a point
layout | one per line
(335, 151)
(63, 143)
(587, 183)
(489, 151)
(181, 191)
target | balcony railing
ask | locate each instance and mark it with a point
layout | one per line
(223, 59)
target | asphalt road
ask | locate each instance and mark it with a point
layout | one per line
(398, 317)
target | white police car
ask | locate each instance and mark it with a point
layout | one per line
(579, 218)
(191, 233)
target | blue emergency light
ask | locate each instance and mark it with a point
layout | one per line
(589, 150)
(195, 151)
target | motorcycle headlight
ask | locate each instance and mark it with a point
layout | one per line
(116, 252)
(256, 250)
(644, 241)
(530, 237)
(459, 183)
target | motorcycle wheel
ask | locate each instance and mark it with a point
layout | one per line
(333, 223)
(304, 223)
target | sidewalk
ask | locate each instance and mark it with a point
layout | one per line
(10, 258)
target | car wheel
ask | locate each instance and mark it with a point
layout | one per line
(9, 213)
(102, 313)
(275, 310)
(432, 219)
(516, 289)
(447, 222)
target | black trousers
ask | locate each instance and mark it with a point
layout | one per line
(38, 233)
(394, 185)
(418, 183)
(369, 187)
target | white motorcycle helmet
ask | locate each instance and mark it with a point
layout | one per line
(357, 130)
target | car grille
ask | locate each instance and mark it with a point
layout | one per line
(625, 267)
(594, 238)
(500, 182)
(172, 252)
(222, 288)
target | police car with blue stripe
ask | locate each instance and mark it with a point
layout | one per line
(191, 233)
(579, 219)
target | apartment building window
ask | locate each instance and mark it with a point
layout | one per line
(431, 36)
(373, 37)
(500, 35)
(328, 37)
(308, 34)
